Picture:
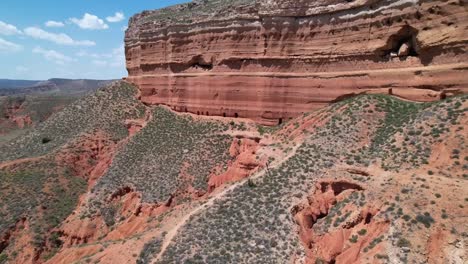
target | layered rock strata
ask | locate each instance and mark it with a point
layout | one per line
(273, 60)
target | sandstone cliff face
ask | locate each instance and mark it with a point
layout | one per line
(272, 60)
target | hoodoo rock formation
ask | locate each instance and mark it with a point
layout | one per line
(272, 60)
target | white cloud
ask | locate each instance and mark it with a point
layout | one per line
(118, 57)
(52, 23)
(90, 22)
(21, 69)
(53, 55)
(6, 46)
(83, 53)
(119, 16)
(62, 39)
(115, 58)
(7, 29)
(100, 63)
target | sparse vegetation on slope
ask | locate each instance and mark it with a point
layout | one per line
(39, 190)
(373, 170)
(355, 132)
(264, 210)
(105, 110)
(169, 155)
(41, 194)
(409, 130)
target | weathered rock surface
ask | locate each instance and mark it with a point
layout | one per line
(335, 246)
(272, 60)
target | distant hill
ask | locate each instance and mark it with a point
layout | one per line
(66, 86)
(11, 84)
(24, 104)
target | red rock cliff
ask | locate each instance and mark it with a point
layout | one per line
(271, 60)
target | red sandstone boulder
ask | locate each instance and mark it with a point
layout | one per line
(404, 50)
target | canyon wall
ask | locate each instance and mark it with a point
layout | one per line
(273, 60)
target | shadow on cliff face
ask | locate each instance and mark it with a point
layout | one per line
(427, 55)
(196, 63)
(404, 44)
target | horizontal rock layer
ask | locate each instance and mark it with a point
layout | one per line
(273, 60)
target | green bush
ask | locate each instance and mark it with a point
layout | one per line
(403, 242)
(426, 219)
(3, 258)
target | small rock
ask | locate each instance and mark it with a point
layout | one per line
(406, 249)
(404, 50)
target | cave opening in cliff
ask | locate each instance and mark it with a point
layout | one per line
(236, 115)
(402, 44)
(206, 67)
(280, 121)
(148, 67)
(198, 62)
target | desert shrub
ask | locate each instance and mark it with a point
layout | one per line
(150, 250)
(381, 256)
(406, 218)
(353, 239)
(426, 219)
(362, 232)
(3, 258)
(403, 242)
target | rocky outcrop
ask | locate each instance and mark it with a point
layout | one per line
(13, 114)
(349, 240)
(272, 60)
(245, 162)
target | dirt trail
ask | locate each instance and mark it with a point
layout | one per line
(18, 161)
(173, 232)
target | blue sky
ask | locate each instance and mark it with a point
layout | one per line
(66, 39)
